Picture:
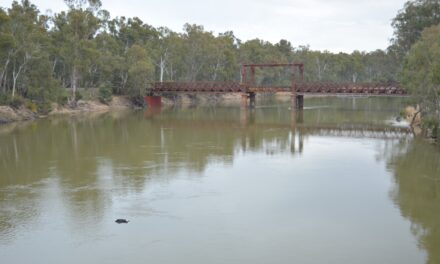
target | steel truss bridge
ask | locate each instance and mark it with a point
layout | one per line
(298, 88)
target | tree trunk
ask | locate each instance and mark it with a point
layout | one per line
(54, 66)
(162, 68)
(171, 72)
(318, 63)
(74, 83)
(2, 75)
(15, 76)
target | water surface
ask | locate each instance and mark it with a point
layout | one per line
(340, 182)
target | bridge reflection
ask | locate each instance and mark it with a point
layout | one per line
(294, 132)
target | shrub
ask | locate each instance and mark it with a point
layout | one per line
(138, 100)
(63, 97)
(105, 94)
(5, 99)
(16, 102)
(78, 96)
(44, 107)
(31, 106)
(431, 127)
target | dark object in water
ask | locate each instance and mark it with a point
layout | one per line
(122, 221)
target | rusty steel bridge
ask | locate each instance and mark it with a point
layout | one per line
(298, 88)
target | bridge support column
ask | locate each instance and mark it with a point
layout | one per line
(248, 100)
(252, 100)
(297, 102)
(300, 101)
(153, 101)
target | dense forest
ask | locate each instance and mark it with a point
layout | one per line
(48, 58)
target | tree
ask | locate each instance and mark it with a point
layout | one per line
(412, 20)
(75, 31)
(126, 34)
(421, 73)
(6, 46)
(140, 70)
(24, 47)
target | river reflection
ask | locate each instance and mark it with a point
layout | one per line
(416, 191)
(221, 185)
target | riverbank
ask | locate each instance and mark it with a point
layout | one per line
(414, 117)
(9, 114)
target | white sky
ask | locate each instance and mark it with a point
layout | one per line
(334, 25)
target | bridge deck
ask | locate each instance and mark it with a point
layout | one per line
(382, 89)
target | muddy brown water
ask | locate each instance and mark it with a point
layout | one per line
(341, 182)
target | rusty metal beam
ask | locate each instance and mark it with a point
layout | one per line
(300, 88)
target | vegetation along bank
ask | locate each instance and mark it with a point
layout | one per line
(47, 59)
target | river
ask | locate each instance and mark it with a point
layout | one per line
(340, 182)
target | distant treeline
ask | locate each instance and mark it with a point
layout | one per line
(84, 47)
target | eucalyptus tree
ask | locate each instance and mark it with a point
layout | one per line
(197, 51)
(223, 64)
(140, 70)
(412, 20)
(75, 30)
(6, 47)
(421, 72)
(131, 35)
(24, 40)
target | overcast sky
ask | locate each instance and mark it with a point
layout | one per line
(334, 25)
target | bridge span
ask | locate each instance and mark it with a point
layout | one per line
(298, 88)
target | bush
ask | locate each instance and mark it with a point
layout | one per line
(16, 102)
(5, 99)
(138, 100)
(435, 132)
(31, 106)
(44, 107)
(431, 127)
(78, 96)
(63, 97)
(105, 94)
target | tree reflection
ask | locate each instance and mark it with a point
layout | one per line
(416, 168)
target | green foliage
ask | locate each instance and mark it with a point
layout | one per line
(435, 131)
(105, 94)
(83, 48)
(63, 97)
(137, 100)
(5, 99)
(78, 96)
(412, 20)
(31, 106)
(431, 126)
(44, 107)
(16, 102)
(421, 74)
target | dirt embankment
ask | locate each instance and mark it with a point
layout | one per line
(9, 114)
(118, 102)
